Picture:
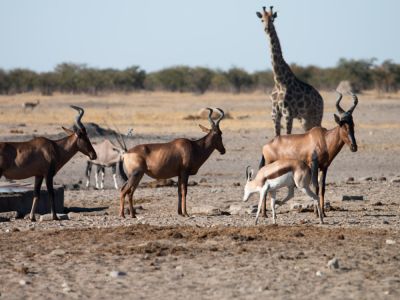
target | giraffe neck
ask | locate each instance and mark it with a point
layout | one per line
(282, 71)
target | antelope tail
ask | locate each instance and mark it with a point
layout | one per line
(262, 162)
(121, 170)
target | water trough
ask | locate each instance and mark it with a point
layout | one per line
(18, 197)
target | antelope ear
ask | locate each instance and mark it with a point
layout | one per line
(337, 119)
(204, 129)
(68, 131)
(259, 15)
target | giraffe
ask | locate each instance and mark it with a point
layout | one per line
(291, 98)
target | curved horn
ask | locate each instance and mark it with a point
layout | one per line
(355, 100)
(222, 114)
(247, 172)
(78, 118)
(338, 107)
(209, 116)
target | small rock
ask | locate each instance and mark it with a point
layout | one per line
(319, 273)
(23, 282)
(235, 209)
(395, 180)
(177, 235)
(350, 198)
(252, 210)
(179, 268)
(296, 206)
(350, 179)
(22, 269)
(385, 222)
(367, 178)
(162, 183)
(203, 180)
(382, 178)
(49, 217)
(66, 288)
(72, 187)
(298, 234)
(236, 184)
(58, 252)
(74, 215)
(116, 274)
(379, 203)
(206, 210)
(390, 242)
(333, 264)
(340, 237)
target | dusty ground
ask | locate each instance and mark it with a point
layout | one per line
(208, 256)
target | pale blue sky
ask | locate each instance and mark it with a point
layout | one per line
(39, 34)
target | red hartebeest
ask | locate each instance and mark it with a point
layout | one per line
(43, 158)
(326, 143)
(180, 157)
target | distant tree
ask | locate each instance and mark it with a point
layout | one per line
(48, 83)
(174, 79)
(239, 79)
(220, 82)
(386, 77)
(263, 80)
(22, 80)
(358, 72)
(4, 82)
(69, 75)
(201, 79)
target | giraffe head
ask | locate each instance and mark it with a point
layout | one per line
(267, 17)
(346, 124)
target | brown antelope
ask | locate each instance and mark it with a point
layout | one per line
(326, 143)
(43, 158)
(289, 173)
(180, 157)
(30, 105)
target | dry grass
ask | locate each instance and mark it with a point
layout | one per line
(157, 112)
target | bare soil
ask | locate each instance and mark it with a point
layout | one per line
(208, 255)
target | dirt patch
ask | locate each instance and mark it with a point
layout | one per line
(243, 262)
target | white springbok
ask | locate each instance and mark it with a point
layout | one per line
(286, 172)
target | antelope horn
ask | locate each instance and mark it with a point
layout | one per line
(120, 138)
(222, 114)
(264, 9)
(339, 109)
(355, 99)
(79, 116)
(247, 172)
(209, 116)
(271, 8)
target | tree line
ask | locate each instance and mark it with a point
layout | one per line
(79, 78)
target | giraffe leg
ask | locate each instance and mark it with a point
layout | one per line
(288, 123)
(276, 118)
